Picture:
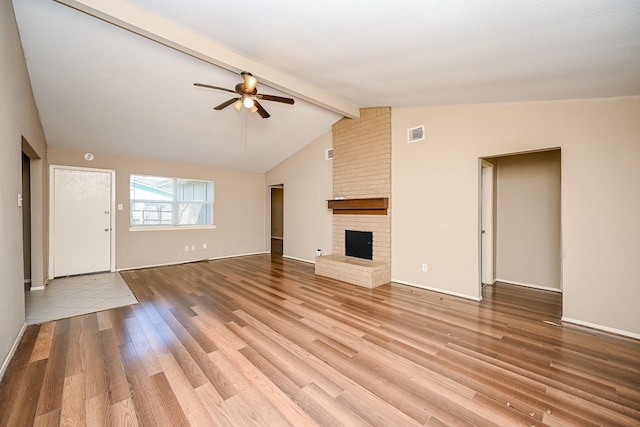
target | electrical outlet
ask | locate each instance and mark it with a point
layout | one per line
(204, 246)
(424, 268)
(186, 248)
(193, 247)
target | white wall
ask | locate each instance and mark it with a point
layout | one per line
(436, 197)
(528, 228)
(18, 118)
(307, 179)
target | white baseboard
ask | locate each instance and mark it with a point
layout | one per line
(298, 259)
(37, 288)
(528, 285)
(239, 255)
(166, 264)
(14, 347)
(441, 291)
(600, 327)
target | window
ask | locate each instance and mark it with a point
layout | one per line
(158, 201)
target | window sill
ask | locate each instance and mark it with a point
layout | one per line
(165, 228)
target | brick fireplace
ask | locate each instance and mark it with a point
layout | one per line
(361, 186)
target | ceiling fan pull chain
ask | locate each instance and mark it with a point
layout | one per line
(243, 129)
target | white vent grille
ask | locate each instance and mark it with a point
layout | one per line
(328, 154)
(415, 134)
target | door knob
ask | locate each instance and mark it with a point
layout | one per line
(107, 212)
(106, 229)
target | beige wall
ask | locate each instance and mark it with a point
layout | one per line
(307, 186)
(18, 120)
(528, 232)
(436, 197)
(239, 212)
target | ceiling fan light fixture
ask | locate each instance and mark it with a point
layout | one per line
(248, 102)
(254, 109)
(238, 104)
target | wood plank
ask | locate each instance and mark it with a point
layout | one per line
(172, 413)
(24, 408)
(16, 370)
(116, 381)
(104, 320)
(51, 419)
(140, 385)
(50, 396)
(76, 362)
(97, 410)
(122, 414)
(73, 401)
(94, 373)
(42, 346)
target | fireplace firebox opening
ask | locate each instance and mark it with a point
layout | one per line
(359, 244)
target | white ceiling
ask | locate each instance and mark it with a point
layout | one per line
(101, 88)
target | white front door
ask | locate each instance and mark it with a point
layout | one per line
(81, 221)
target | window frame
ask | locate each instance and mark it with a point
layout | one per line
(175, 203)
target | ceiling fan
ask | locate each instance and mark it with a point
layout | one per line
(247, 96)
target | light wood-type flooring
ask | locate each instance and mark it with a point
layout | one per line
(262, 341)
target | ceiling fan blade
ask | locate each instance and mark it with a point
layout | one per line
(214, 87)
(275, 98)
(226, 104)
(250, 82)
(263, 113)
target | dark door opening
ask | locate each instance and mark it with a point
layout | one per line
(26, 219)
(277, 220)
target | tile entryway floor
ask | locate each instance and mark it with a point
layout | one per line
(72, 296)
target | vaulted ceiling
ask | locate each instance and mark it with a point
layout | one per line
(116, 76)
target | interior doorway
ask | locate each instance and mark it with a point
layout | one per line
(26, 219)
(486, 224)
(81, 229)
(277, 219)
(520, 213)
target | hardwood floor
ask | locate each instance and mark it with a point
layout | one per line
(261, 341)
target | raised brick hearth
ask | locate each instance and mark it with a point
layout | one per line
(361, 169)
(361, 272)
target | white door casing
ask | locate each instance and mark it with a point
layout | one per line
(81, 221)
(486, 221)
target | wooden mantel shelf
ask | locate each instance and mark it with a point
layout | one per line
(370, 206)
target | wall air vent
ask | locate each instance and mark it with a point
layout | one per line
(328, 154)
(415, 134)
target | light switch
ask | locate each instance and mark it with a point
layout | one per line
(19, 200)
